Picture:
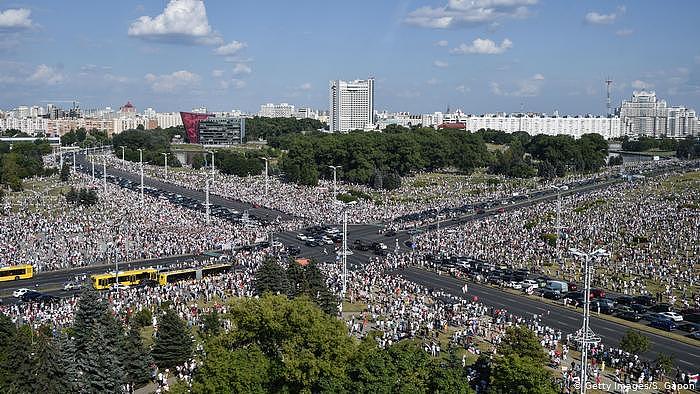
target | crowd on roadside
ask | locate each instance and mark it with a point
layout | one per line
(53, 234)
(649, 226)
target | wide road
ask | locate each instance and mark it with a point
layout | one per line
(567, 320)
(266, 213)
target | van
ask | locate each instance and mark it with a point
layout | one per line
(557, 285)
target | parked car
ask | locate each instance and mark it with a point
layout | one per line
(644, 300)
(689, 327)
(72, 286)
(551, 294)
(661, 308)
(529, 284)
(598, 293)
(693, 318)
(20, 292)
(673, 316)
(604, 305)
(667, 325)
(30, 295)
(572, 286)
(514, 284)
(695, 334)
(624, 300)
(629, 315)
(557, 285)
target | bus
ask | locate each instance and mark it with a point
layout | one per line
(192, 273)
(126, 278)
(16, 272)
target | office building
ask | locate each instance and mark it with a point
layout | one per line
(221, 131)
(645, 115)
(351, 105)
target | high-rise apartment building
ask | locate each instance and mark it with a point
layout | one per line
(644, 115)
(351, 105)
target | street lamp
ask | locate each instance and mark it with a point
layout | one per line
(587, 337)
(266, 162)
(122, 146)
(335, 188)
(104, 173)
(212, 167)
(141, 163)
(166, 164)
(207, 201)
(345, 247)
(559, 190)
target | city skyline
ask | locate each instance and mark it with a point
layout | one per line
(425, 56)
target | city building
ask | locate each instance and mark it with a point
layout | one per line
(128, 109)
(645, 115)
(303, 113)
(149, 113)
(222, 131)
(168, 119)
(282, 110)
(351, 105)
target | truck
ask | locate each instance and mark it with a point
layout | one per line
(557, 285)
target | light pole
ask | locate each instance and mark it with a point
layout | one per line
(558, 246)
(141, 163)
(345, 248)
(212, 167)
(207, 201)
(104, 173)
(166, 164)
(92, 161)
(587, 337)
(335, 187)
(266, 160)
(122, 146)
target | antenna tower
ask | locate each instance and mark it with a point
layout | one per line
(608, 83)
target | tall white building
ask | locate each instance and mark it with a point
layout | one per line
(681, 122)
(149, 113)
(168, 119)
(645, 115)
(282, 110)
(351, 105)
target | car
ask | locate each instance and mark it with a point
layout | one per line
(302, 237)
(347, 252)
(276, 244)
(572, 286)
(514, 284)
(390, 233)
(551, 294)
(46, 298)
(693, 318)
(119, 286)
(604, 307)
(20, 292)
(629, 315)
(667, 325)
(689, 327)
(31, 295)
(639, 308)
(624, 300)
(644, 300)
(673, 316)
(598, 293)
(528, 283)
(661, 308)
(695, 334)
(71, 286)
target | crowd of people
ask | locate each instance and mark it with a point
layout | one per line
(53, 234)
(649, 226)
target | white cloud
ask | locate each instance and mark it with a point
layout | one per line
(462, 89)
(595, 18)
(241, 68)
(15, 18)
(217, 73)
(528, 87)
(233, 83)
(182, 21)
(432, 81)
(642, 85)
(440, 64)
(305, 86)
(172, 82)
(465, 13)
(44, 74)
(442, 43)
(483, 46)
(230, 49)
(624, 32)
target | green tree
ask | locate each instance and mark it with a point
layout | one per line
(635, 342)
(18, 368)
(665, 363)
(142, 318)
(65, 172)
(271, 277)
(211, 323)
(244, 370)
(137, 360)
(173, 344)
(51, 372)
(514, 374)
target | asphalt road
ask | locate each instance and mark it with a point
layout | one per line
(196, 194)
(566, 319)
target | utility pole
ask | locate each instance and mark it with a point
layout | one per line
(335, 185)
(104, 173)
(266, 160)
(586, 336)
(141, 163)
(166, 164)
(207, 201)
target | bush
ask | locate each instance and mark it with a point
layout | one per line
(143, 318)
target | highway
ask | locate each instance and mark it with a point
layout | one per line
(566, 319)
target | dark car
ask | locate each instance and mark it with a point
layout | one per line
(46, 298)
(605, 307)
(572, 286)
(390, 233)
(598, 293)
(551, 294)
(689, 327)
(624, 300)
(629, 315)
(667, 325)
(693, 318)
(639, 308)
(644, 300)
(658, 308)
(31, 296)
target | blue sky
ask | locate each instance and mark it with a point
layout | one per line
(478, 55)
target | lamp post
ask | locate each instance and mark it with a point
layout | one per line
(345, 247)
(141, 164)
(266, 162)
(587, 337)
(335, 187)
(212, 167)
(92, 161)
(166, 164)
(559, 190)
(207, 201)
(104, 173)
(122, 146)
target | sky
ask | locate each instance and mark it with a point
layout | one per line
(477, 55)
